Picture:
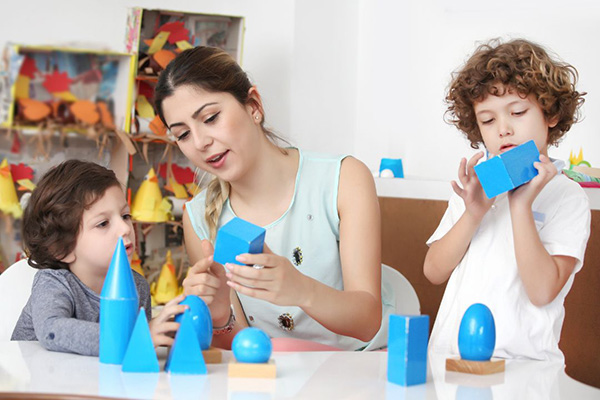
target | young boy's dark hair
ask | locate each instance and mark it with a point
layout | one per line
(518, 65)
(52, 217)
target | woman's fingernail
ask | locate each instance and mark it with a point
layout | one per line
(241, 259)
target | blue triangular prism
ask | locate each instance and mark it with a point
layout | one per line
(119, 283)
(140, 355)
(185, 356)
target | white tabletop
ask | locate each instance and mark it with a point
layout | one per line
(27, 367)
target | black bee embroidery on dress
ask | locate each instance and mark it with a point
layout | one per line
(297, 256)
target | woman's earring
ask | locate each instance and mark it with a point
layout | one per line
(256, 117)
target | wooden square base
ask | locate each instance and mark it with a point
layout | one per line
(250, 370)
(474, 367)
(212, 355)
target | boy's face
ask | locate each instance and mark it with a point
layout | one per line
(102, 225)
(509, 120)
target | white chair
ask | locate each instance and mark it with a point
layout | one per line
(15, 288)
(407, 301)
(403, 298)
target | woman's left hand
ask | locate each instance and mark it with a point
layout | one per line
(269, 277)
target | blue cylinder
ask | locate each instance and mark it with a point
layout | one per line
(117, 319)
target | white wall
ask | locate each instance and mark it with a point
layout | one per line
(359, 76)
(407, 51)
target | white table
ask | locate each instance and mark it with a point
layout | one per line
(27, 367)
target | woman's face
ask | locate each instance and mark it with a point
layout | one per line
(213, 130)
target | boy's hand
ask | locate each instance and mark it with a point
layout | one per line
(476, 201)
(163, 328)
(207, 280)
(276, 281)
(524, 195)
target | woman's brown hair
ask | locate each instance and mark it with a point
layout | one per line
(518, 65)
(213, 70)
(53, 216)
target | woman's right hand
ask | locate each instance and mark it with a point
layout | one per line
(476, 201)
(207, 280)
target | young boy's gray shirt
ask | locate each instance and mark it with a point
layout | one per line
(64, 314)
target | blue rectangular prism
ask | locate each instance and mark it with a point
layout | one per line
(508, 170)
(407, 349)
(238, 237)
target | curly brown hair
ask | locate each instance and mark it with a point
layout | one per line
(52, 218)
(518, 65)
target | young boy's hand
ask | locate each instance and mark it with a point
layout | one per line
(476, 201)
(163, 328)
(524, 195)
(207, 280)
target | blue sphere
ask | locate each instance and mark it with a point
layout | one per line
(201, 319)
(251, 345)
(477, 333)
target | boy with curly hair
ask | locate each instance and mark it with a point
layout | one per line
(517, 253)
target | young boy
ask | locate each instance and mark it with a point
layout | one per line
(518, 252)
(71, 226)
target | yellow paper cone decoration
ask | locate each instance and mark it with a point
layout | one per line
(9, 202)
(167, 286)
(148, 203)
(136, 264)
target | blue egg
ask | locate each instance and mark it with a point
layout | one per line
(477, 333)
(201, 319)
(251, 345)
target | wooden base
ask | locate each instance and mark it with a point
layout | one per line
(212, 355)
(474, 367)
(250, 370)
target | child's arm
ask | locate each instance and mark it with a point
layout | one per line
(56, 328)
(445, 254)
(162, 328)
(543, 275)
(354, 311)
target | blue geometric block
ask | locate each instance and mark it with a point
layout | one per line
(508, 170)
(119, 304)
(238, 237)
(519, 162)
(140, 355)
(185, 356)
(407, 349)
(394, 165)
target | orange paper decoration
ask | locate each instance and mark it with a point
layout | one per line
(163, 57)
(105, 116)
(157, 126)
(85, 111)
(34, 110)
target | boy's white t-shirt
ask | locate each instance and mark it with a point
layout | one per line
(488, 273)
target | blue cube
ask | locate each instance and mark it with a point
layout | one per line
(509, 170)
(407, 349)
(238, 237)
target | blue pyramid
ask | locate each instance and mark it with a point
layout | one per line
(140, 355)
(119, 304)
(185, 356)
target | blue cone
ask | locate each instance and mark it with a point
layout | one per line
(119, 304)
